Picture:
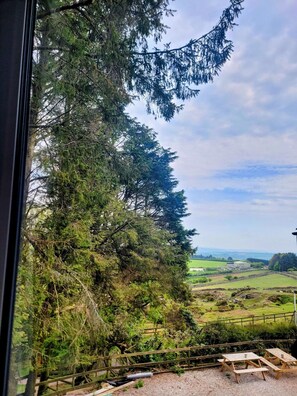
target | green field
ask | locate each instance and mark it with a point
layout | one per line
(258, 308)
(206, 264)
(220, 301)
(262, 282)
(220, 277)
(244, 274)
(222, 298)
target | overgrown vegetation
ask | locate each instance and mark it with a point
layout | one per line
(215, 333)
(104, 245)
(221, 333)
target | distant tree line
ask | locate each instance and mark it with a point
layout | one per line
(255, 260)
(208, 257)
(283, 262)
(257, 263)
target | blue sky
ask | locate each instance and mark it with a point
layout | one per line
(237, 141)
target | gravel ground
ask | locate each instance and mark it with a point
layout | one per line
(215, 383)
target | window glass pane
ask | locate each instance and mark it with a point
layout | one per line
(107, 241)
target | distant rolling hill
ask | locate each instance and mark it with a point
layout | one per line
(235, 254)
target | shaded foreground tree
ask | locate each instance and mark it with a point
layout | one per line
(104, 244)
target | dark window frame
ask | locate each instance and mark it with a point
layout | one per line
(16, 40)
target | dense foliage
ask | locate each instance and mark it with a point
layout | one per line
(220, 333)
(258, 261)
(105, 250)
(283, 262)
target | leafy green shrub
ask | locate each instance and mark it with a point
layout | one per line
(278, 330)
(178, 370)
(257, 265)
(285, 298)
(139, 384)
(189, 319)
(220, 303)
(202, 279)
(221, 333)
(281, 299)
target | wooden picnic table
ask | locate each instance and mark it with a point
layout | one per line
(285, 361)
(234, 362)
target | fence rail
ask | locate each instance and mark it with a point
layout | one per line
(245, 320)
(251, 320)
(115, 366)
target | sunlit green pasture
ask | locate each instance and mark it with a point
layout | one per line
(243, 274)
(221, 277)
(258, 303)
(206, 264)
(262, 282)
(214, 314)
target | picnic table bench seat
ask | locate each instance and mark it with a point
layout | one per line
(250, 370)
(268, 363)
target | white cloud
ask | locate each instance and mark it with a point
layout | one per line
(247, 117)
(201, 159)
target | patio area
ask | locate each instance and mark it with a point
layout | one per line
(215, 383)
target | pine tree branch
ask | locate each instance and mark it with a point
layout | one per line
(192, 42)
(43, 48)
(35, 245)
(44, 126)
(118, 229)
(73, 6)
(38, 178)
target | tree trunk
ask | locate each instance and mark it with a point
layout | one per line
(30, 386)
(43, 377)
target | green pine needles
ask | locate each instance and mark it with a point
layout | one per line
(105, 250)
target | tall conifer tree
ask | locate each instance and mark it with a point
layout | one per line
(103, 237)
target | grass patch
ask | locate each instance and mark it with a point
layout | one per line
(255, 302)
(242, 275)
(263, 282)
(194, 263)
(21, 388)
(139, 384)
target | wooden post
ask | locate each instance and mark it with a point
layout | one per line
(295, 308)
(107, 362)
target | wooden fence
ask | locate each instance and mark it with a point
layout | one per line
(251, 320)
(158, 361)
(243, 321)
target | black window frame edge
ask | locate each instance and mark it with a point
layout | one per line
(17, 19)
